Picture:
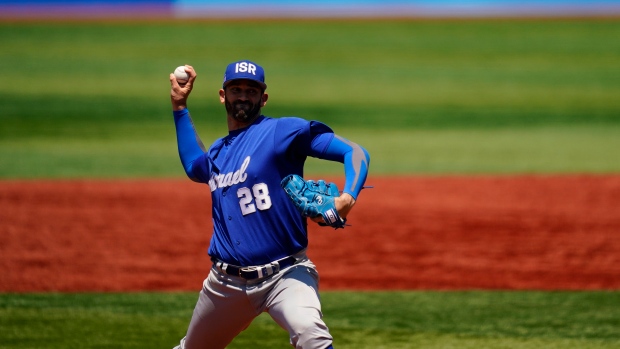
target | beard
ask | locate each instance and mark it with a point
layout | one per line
(242, 111)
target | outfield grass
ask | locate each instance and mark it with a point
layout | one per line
(366, 320)
(558, 149)
(91, 99)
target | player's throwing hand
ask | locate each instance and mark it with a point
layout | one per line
(178, 93)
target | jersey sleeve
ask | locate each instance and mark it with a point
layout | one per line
(191, 149)
(298, 137)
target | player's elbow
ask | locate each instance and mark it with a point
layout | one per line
(366, 156)
(360, 156)
(188, 167)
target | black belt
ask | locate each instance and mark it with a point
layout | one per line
(255, 272)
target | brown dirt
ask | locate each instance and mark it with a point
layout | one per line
(525, 232)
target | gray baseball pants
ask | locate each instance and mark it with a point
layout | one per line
(228, 304)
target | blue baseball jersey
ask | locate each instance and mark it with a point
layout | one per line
(254, 221)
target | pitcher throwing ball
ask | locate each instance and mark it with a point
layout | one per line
(260, 207)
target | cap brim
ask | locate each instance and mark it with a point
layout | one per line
(260, 83)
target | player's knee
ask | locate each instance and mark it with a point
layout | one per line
(311, 335)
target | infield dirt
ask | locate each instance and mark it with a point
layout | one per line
(517, 232)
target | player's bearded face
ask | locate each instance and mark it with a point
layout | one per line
(242, 111)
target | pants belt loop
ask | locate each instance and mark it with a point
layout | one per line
(276, 266)
(223, 265)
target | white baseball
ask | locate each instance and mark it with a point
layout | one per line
(181, 75)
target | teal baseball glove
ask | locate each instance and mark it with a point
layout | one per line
(313, 199)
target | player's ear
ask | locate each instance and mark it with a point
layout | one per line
(264, 99)
(222, 96)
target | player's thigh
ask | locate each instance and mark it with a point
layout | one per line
(221, 313)
(294, 302)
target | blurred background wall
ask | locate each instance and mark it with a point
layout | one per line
(299, 8)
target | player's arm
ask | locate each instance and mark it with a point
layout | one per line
(356, 161)
(189, 144)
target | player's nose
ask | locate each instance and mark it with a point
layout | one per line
(242, 96)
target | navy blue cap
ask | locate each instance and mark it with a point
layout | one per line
(245, 70)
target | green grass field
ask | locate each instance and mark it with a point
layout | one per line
(386, 320)
(90, 100)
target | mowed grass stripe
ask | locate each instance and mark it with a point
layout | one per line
(561, 149)
(474, 319)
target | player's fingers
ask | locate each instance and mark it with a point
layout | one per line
(178, 94)
(191, 72)
(173, 82)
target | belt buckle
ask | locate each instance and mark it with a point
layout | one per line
(247, 270)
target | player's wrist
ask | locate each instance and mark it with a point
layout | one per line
(348, 199)
(178, 105)
(344, 203)
(180, 113)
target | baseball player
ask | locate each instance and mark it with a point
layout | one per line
(259, 240)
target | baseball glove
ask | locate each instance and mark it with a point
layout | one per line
(313, 199)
